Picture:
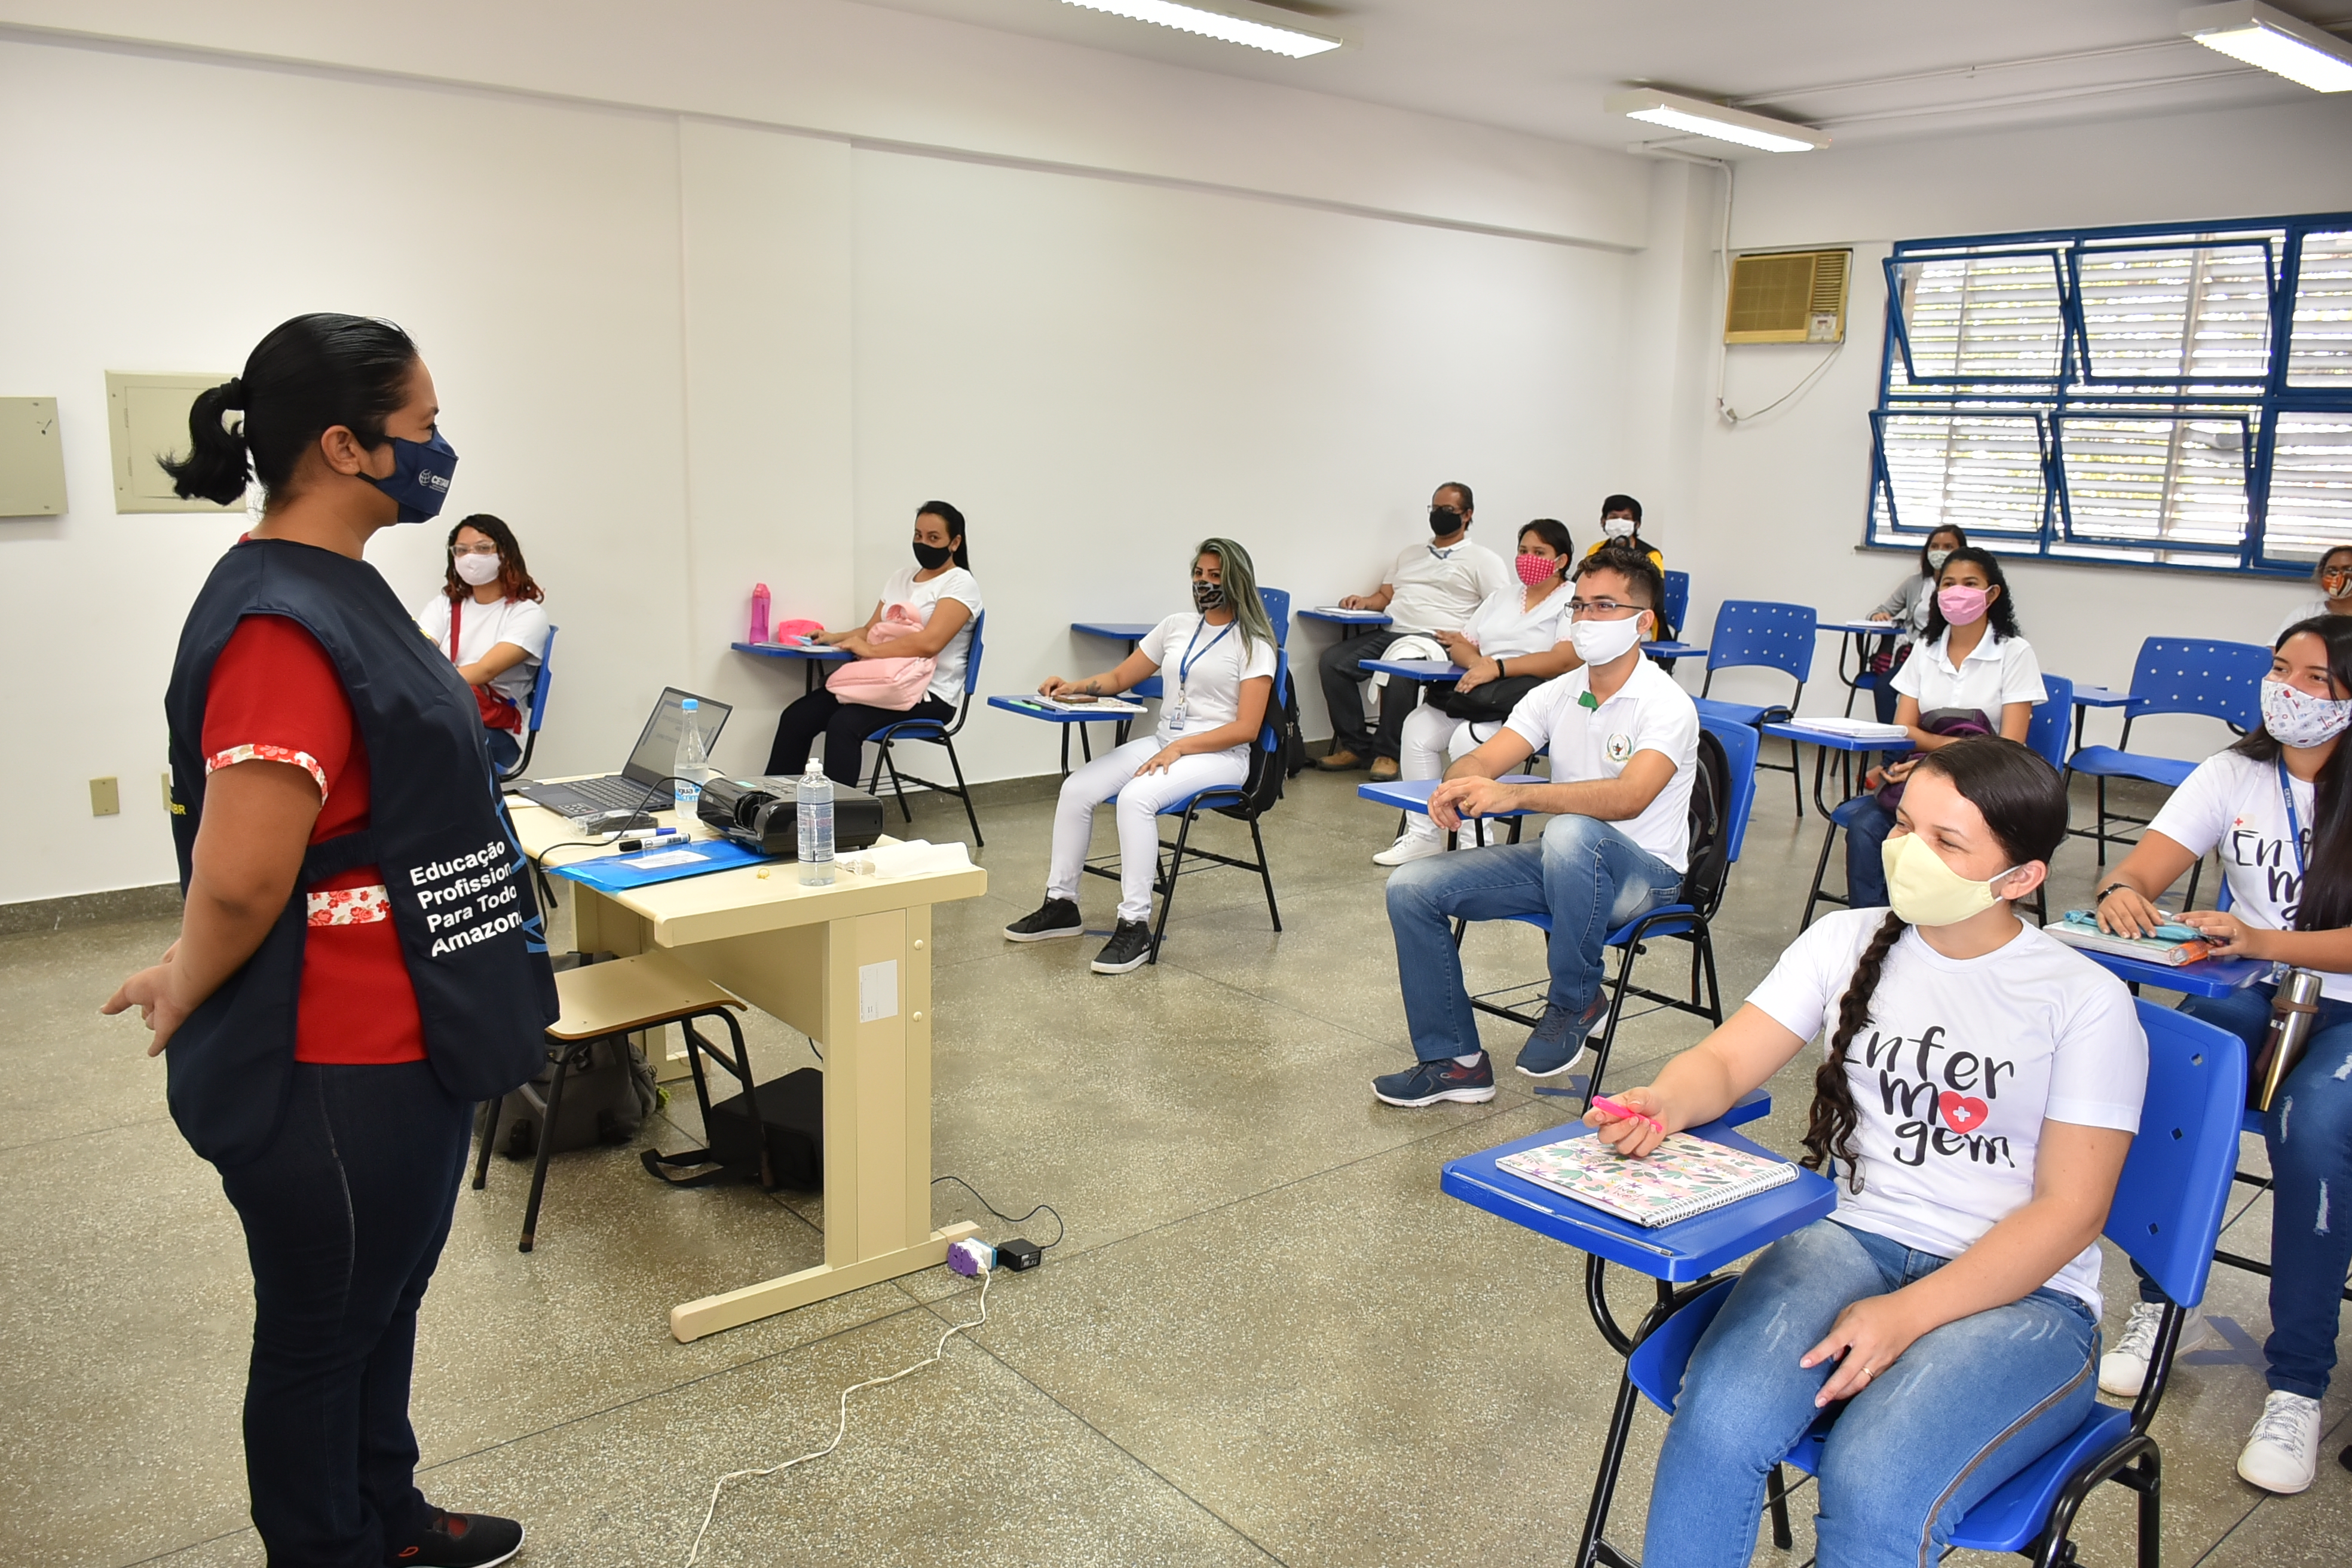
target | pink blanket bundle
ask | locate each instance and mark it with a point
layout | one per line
(893, 683)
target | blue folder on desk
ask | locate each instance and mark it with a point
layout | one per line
(626, 873)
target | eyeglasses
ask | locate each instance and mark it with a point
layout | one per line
(485, 548)
(1607, 609)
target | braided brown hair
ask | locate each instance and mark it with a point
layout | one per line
(2023, 802)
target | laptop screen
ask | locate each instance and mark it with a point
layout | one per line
(656, 750)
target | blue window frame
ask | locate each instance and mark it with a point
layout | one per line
(2176, 395)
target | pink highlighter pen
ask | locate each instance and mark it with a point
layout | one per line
(1624, 1112)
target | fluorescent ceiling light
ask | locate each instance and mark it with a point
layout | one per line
(1215, 25)
(2274, 40)
(1701, 118)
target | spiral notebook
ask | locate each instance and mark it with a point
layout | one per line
(1682, 1177)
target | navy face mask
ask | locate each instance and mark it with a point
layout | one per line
(421, 471)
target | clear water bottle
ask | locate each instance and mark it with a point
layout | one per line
(815, 815)
(692, 769)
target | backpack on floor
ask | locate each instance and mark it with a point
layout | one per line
(606, 1103)
(774, 1135)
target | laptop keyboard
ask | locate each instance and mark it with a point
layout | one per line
(617, 792)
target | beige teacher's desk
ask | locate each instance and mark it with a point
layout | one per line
(847, 965)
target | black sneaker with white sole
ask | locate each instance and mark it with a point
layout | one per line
(1129, 947)
(458, 1541)
(1054, 918)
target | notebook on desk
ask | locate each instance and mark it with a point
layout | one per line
(641, 784)
(1681, 1177)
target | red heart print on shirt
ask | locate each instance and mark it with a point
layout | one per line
(1962, 1114)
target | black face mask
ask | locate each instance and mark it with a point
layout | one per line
(1207, 597)
(931, 557)
(1444, 519)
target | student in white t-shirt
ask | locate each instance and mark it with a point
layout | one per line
(501, 628)
(1220, 662)
(1624, 750)
(1431, 588)
(1517, 636)
(1970, 662)
(946, 595)
(2277, 807)
(2333, 575)
(1981, 1088)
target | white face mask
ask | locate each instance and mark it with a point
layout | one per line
(477, 570)
(1935, 558)
(2295, 718)
(1599, 642)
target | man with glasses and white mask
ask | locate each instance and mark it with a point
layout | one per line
(1624, 750)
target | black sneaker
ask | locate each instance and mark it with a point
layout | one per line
(1054, 918)
(1558, 1041)
(1426, 1083)
(1128, 947)
(459, 1540)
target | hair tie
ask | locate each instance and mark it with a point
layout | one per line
(232, 393)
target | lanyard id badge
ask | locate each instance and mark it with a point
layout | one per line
(1179, 710)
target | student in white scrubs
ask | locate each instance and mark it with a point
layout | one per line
(501, 627)
(1518, 637)
(1220, 663)
(2333, 575)
(2277, 807)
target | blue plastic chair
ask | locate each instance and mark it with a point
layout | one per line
(1759, 633)
(937, 732)
(1247, 802)
(2168, 1208)
(1677, 604)
(2175, 675)
(1722, 832)
(536, 713)
(1277, 610)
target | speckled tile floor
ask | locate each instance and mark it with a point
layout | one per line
(1267, 1337)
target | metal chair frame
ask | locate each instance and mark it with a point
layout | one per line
(938, 732)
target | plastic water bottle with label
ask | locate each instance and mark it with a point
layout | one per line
(692, 769)
(815, 811)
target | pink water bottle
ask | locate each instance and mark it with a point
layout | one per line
(759, 612)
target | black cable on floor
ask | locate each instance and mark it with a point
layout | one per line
(1061, 1226)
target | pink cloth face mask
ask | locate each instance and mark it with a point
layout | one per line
(1534, 569)
(1962, 607)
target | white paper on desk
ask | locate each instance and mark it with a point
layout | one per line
(877, 991)
(915, 858)
(669, 857)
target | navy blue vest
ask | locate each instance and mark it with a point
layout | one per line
(460, 890)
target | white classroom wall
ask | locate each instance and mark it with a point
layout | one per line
(721, 305)
(1782, 502)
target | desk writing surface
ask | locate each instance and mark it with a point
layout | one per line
(2209, 977)
(1861, 625)
(1830, 740)
(786, 651)
(1117, 631)
(1417, 669)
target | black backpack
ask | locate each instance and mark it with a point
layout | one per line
(1710, 836)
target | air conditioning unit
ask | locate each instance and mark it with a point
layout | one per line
(1788, 297)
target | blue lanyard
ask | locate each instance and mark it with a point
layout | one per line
(1184, 666)
(2294, 824)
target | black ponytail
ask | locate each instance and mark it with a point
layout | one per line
(309, 375)
(2023, 802)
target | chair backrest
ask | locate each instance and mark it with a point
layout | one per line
(971, 657)
(1277, 610)
(1735, 747)
(538, 710)
(2051, 721)
(2170, 1200)
(1762, 632)
(1262, 786)
(1677, 604)
(2192, 675)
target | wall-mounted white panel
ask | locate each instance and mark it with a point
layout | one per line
(147, 421)
(32, 458)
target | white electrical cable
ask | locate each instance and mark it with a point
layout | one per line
(840, 1428)
(1732, 416)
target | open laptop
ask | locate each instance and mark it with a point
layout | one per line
(642, 785)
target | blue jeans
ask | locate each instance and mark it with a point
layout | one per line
(1584, 873)
(1967, 1406)
(344, 1216)
(1866, 825)
(2309, 1131)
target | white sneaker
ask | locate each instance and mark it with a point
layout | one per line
(1409, 847)
(2285, 1448)
(2124, 1369)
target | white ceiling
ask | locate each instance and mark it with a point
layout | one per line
(1861, 69)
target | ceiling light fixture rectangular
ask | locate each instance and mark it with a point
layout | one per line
(1700, 118)
(2261, 35)
(1209, 24)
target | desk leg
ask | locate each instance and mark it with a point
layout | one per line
(877, 1105)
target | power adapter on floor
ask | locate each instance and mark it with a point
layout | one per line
(1020, 1255)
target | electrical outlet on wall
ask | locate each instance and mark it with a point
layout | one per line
(105, 797)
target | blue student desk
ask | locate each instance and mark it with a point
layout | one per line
(1824, 743)
(1857, 634)
(1413, 795)
(1349, 622)
(2212, 977)
(811, 657)
(2090, 697)
(1029, 708)
(1130, 633)
(1414, 668)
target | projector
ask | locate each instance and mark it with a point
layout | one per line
(764, 814)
